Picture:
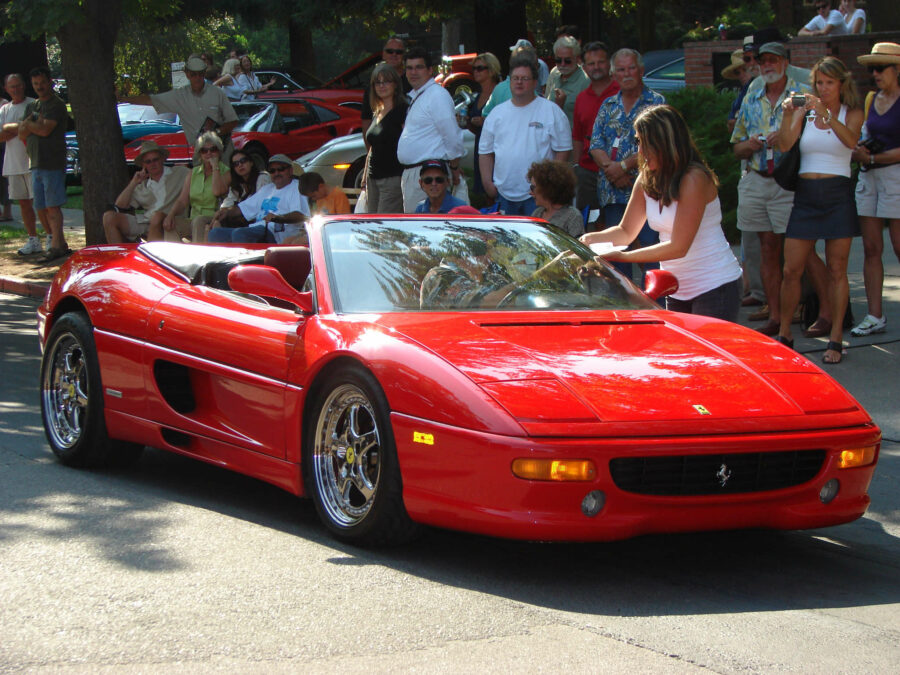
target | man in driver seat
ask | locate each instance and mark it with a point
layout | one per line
(469, 279)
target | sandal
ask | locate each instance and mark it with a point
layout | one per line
(833, 347)
(787, 342)
(818, 328)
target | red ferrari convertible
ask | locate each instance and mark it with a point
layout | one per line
(474, 373)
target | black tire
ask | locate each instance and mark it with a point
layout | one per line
(350, 462)
(353, 177)
(72, 399)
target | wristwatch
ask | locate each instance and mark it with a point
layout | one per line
(624, 166)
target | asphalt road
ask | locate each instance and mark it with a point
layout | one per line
(174, 565)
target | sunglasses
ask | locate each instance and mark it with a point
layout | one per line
(479, 68)
(395, 51)
(748, 59)
(428, 180)
(279, 169)
(532, 187)
(382, 83)
(878, 68)
(239, 161)
(567, 61)
(206, 151)
(519, 80)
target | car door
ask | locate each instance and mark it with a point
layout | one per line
(216, 362)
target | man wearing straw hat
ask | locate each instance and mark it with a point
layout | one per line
(154, 188)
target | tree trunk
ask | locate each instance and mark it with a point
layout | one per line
(300, 41)
(87, 56)
(499, 24)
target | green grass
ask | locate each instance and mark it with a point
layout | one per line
(74, 197)
(8, 233)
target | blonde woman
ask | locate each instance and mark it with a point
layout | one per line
(828, 125)
(486, 73)
(203, 189)
(233, 89)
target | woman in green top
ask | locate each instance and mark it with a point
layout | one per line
(203, 190)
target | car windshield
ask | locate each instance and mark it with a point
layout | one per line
(475, 264)
(130, 114)
(251, 116)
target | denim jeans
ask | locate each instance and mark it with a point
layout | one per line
(510, 208)
(723, 302)
(241, 235)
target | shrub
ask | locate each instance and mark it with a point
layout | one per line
(706, 112)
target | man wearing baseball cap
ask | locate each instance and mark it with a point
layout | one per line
(763, 206)
(200, 105)
(274, 213)
(434, 179)
(154, 187)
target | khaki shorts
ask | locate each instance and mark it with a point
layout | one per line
(20, 186)
(763, 206)
(877, 192)
(135, 226)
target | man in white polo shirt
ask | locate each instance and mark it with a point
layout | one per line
(431, 131)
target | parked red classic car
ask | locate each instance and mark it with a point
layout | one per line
(455, 74)
(347, 88)
(293, 126)
(475, 373)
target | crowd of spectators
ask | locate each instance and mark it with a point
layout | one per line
(587, 146)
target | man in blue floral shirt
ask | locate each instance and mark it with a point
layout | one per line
(613, 146)
(763, 206)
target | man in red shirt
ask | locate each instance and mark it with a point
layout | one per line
(597, 67)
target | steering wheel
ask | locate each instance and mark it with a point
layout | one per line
(511, 297)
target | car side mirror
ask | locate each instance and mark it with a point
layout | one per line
(659, 283)
(268, 282)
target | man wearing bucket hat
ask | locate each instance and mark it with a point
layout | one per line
(154, 188)
(200, 105)
(877, 200)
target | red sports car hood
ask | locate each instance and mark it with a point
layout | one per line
(634, 367)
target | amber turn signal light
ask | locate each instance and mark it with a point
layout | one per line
(554, 469)
(341, 167)
(851, 459)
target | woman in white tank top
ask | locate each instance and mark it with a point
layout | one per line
(829, 121)
(677, 194)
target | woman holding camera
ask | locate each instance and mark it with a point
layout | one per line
(878, 189)
(827, 122)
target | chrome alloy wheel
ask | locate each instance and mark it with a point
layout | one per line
(65, 389)
(347, 455)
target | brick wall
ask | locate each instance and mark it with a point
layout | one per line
(704, 61)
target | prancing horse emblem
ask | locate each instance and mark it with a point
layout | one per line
(702, 410)
(723, 475)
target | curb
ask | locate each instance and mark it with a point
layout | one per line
(19, 286)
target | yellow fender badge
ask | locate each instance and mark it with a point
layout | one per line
(700, 409)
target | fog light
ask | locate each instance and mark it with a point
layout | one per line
(554, 469)
(856, 457)
(593, 503)
(829, 490)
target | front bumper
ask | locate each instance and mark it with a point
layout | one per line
(463, 481)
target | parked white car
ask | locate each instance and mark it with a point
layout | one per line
(340, 161)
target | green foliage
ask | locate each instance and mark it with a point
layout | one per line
(33, 18)
(706, 112)
(740, 19)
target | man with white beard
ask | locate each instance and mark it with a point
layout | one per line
(763, 206)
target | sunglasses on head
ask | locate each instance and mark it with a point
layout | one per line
(440, 180)
(395, 51)
(878, 67)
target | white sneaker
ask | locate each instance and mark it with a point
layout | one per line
(32, 246)
(870, 325)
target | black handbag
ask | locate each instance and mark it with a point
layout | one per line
(785, 174)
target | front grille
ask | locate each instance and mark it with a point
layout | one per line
(705, 474)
